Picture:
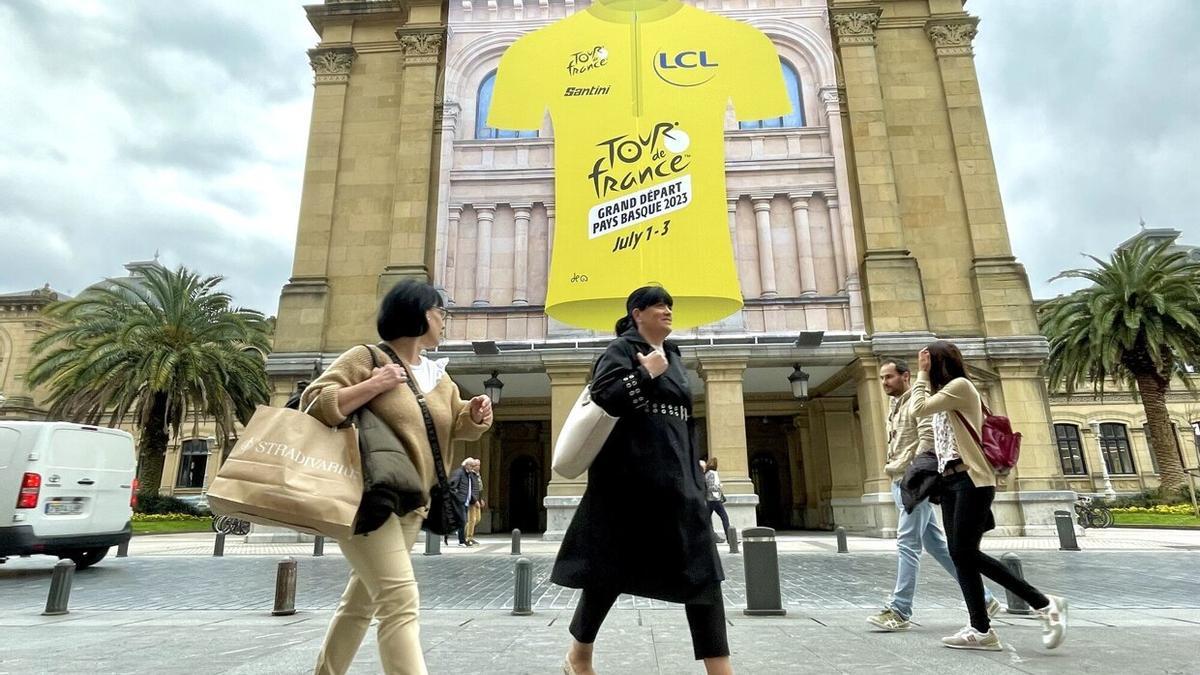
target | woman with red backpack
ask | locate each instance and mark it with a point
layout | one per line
(968, 485)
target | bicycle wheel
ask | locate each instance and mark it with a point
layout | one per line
(241, 528)
(215, 523)
(1103, 517)
(1081, 517)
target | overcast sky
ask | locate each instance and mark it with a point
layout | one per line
(130, 126)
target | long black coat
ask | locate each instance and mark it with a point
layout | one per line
(643, 525)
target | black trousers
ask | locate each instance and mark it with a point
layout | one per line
(719, 508)
(967, 514)
(706, 622)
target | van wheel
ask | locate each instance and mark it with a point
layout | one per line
(85, 557)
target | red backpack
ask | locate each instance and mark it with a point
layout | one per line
(1000, 444)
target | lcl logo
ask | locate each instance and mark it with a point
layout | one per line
(689, 68)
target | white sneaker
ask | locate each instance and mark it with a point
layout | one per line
(993, 607)
(969, 638)
(1054, 621)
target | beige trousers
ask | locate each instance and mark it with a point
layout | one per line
(474, 512)
(382, 586)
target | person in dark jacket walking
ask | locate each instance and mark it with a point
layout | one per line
(467, 486)
(642, 526)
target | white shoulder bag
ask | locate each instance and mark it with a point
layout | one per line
(583, 434)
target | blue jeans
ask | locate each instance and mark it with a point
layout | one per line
(915, 531)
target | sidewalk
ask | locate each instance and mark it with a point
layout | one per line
(636, 642)
(1113, 539)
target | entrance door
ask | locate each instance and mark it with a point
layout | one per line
(524, 490)
(774, 469)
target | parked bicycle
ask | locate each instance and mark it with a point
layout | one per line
(228, 525)
(1089, 514)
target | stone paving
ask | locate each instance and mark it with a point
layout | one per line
(165, 611)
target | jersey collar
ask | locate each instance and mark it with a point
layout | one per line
(623, 11)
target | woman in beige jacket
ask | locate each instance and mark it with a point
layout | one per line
(944, 392)
(382, 585)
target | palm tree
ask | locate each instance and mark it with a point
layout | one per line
(166, 347)
(1135, 326)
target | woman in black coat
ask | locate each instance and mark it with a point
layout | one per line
(642, 526)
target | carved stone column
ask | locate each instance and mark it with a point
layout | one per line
(733, 238)
(839, 244)
(804, 247)
(453, 215)
(485, 216)
(766, 252)
(416, 157)
(549, 244)
(447, 115)
(521, 213)
(304, 301)
(890, 270)
(725, 420)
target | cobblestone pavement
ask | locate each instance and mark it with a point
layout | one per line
(1097, 580)
(1133, 612)
(633, 642)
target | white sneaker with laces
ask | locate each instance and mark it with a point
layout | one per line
(1054, 621)
(969, 638)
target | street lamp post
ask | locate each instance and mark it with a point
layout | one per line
(1108, 488)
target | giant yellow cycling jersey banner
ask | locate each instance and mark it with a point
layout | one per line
(637, 91)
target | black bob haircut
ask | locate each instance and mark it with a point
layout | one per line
(646, 296)
(402, 311)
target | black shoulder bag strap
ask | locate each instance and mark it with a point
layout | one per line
(447, 521)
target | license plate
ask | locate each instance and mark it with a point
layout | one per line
(64, 508)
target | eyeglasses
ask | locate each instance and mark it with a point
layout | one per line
(442, 312)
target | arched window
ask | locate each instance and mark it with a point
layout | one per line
(792, 79)
(482, 104)
(1070, 450)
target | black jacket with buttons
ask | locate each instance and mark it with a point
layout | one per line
(643, 525)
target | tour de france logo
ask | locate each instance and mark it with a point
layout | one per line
(587, 60)
(630, 162)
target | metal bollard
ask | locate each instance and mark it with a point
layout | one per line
(1066, 531)
(760, 563)
(123, 549)
(219, 545)
(285, 588)
(319, 547)
(523, 588)
(433, 543)
(841, 540)
(60, 588)
(516, 542)
(1015, 604)
(732, 538)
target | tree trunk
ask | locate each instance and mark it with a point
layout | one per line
(1153, 391)
(152, 447)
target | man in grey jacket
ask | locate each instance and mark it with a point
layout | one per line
(907, 437)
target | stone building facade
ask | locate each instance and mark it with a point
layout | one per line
(864, 226)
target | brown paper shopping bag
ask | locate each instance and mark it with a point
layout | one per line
(289, 469)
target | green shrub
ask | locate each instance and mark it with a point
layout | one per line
(153, 503)
(166, 517)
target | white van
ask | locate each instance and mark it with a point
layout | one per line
(65, 489)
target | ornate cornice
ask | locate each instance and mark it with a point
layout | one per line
(421, 44)
(856, 26)
(832, 95)
(952, 37)
(331, 64)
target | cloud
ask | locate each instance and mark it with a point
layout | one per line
(145, 125)
(1092, 111)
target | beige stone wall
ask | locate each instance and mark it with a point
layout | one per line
(21, 324)
(370, 179)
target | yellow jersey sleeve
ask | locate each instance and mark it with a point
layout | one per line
(519, 95)
(758, 90)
